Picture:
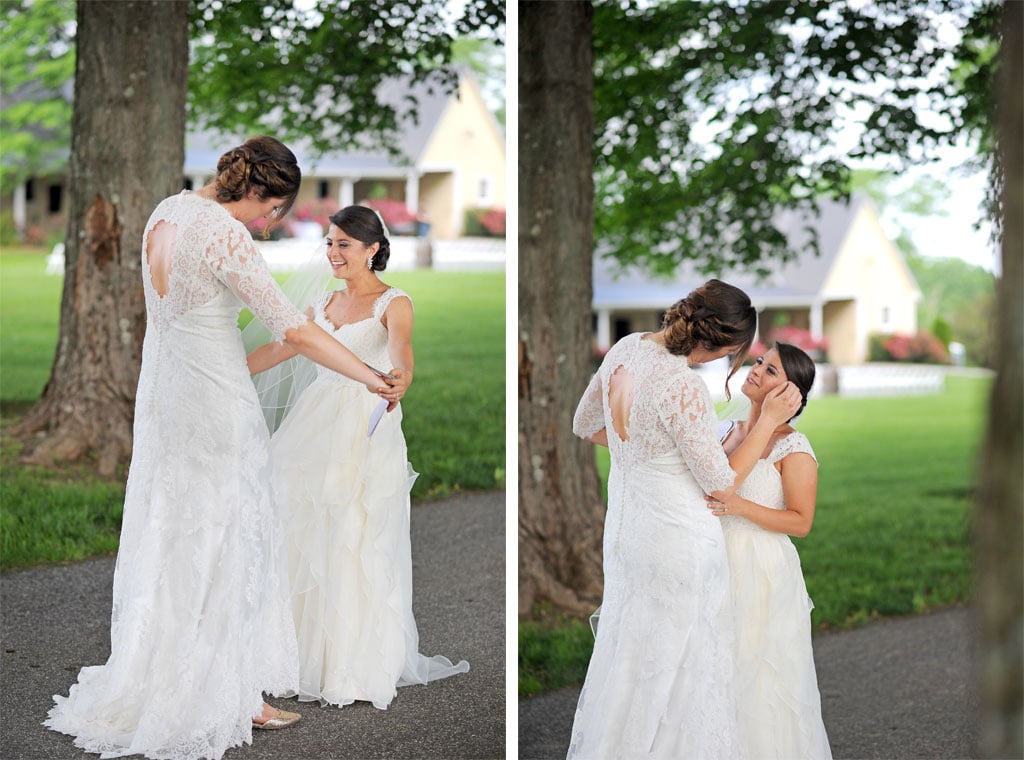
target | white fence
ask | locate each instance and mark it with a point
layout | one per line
(890, 379)
(461, 254)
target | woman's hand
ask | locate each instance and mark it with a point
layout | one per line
(725, 504)
(401, 383)
(781, 404)
(395, 388)
(381, 386)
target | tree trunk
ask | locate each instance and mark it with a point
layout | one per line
(127, 153)
(560, 509)
(998, 526)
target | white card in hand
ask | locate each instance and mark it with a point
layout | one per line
(376, 416)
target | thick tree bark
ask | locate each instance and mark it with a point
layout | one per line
(999, 520)
(560, 509)
(127, 153)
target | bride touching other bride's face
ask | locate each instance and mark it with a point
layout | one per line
(779, 365)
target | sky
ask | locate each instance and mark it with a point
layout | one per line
(954, 234)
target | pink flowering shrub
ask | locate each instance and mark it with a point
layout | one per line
(801, 338)
(398, 217)
(485, 222)
(315, 211)
(923, 348)
(494, 221)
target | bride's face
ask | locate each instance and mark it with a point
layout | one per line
(766, 374)
(346, 255)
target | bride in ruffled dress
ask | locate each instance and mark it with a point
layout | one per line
(341, 482)
(779, 703)
(200, 625)
(660, 683)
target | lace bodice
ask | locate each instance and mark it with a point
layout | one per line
(671, 412)
(367, 338)
(764, 483)
(213, 252)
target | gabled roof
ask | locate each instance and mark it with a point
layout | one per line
(797, 282)
(204, 148)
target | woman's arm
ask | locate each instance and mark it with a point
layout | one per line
(800, 489)
(236, 262)
(588, 421)
(268, 355)
(779, 406)
(317, 345)
(398, 319)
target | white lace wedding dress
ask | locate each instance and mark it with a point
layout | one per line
(200, 625)
(780, 707)
(661, 679)
(344, 498)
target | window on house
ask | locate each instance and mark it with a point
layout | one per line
(56, 196)
(323, 189)
(886, 316)
(30, 190)
(484, 192)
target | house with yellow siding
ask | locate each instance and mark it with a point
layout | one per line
(452, 160)
(858, 286)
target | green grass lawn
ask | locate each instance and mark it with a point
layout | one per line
(891, 532)
(454, 413)
(29, 323)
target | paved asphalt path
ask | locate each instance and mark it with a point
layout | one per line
(897, 688)
(54, 620)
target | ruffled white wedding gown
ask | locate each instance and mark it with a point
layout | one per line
(780, 707)
(661, 679)
(344, 498)
(200, 625)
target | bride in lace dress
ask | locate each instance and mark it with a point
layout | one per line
(344, 493)
(661, 682)
(780, 707)
(200, 625)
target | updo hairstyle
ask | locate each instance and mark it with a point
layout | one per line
(799, 369)
(265, 165)
(713, 316)
(363, 224)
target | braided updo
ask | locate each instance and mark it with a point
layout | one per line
(263, 164)
(364, 225)
(713, 316)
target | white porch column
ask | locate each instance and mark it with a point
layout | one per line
(412, 191)
(18, 204)
(346, 191)
(604, 329)
(817, 319)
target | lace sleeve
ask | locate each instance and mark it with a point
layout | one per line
(794, 443)
(589, 417)
(238, 264)
(691, 421)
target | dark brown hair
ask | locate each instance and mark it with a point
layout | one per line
(263, 164)
(364, 225)
(799, 369)
(713, 316)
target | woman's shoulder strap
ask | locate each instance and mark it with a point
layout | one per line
(794, 443)
(384, 300)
